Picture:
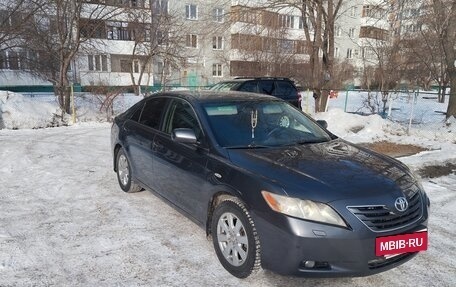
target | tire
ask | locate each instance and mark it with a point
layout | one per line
(236, 241)
(124, 175)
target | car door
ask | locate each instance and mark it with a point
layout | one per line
(140, 139)
(181, 168)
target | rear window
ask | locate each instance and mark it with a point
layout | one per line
(152, 112)
(223, 86)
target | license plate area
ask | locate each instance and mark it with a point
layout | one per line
(396, 244)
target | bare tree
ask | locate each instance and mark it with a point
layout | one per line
(445, 12)
(55, 38)
(424, 53)
(318, 23)
(265, 46)
(157, 36)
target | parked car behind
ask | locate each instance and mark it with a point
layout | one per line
(282, 88)
(270, 186)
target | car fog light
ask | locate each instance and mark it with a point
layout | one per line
(309, 264)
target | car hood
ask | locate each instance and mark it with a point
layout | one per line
(328, 171)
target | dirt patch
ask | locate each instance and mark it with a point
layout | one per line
(393, 149)
(437, 170)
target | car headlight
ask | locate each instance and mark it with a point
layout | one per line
(305, 209)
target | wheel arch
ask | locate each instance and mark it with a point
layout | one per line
(117, 147)
(215, 200)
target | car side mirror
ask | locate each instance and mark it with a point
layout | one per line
(184, 135)
(322, 124)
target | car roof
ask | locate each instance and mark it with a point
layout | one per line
(215, 96)
(244, 79)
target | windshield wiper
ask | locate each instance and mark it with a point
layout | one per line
(250, 146)
(312, 141)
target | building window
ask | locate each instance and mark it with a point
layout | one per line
(336, 52)
(123, 3)
(125, 66)
(162, 69)
(98, 62)
(3, 60)
(351, 32)
(160, 7)
(136, 68)
(353, 11)
(366, 11)
(13, 60)
(5, 19)
(286, 21)
(368, 53)
(301, 24)
(217, 43)
(191, 41)
(218, 15)
(373, 12)
(119, 31)
(217, 70)
(338, 31)
(349, 53)
(10, 60)
(191, 12)
(162, 38)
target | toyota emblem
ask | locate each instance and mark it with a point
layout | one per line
(401, 204)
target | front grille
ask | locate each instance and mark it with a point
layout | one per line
(380, 218)
(382, 262)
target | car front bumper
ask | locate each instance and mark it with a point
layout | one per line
(288, 243)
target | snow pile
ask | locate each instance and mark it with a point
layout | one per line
(451, 125)
(24, 112)
(358, 128)
(18, 111)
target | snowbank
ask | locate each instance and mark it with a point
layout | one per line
(25, 112)
(358, 128)
(19, 112)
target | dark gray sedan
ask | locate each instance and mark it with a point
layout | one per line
(271, 187)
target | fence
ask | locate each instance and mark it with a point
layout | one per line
(415, 111)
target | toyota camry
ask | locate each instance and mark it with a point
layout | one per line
(270, 186)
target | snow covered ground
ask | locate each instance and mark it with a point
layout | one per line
(65, 222)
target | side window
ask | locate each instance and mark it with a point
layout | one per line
(137, 114)
(152, 112)
(181, 115)
(250, 86)
(266, 87)
(285, 88)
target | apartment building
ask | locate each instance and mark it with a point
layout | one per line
(201, 42)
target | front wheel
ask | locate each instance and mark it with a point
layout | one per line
(124, 173)
(235, 238)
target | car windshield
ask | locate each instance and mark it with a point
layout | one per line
(257, 124)
(224, 86)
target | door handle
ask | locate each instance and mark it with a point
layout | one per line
(156, 146)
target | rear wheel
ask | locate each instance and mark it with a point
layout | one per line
(124, 173)
(235, 238)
